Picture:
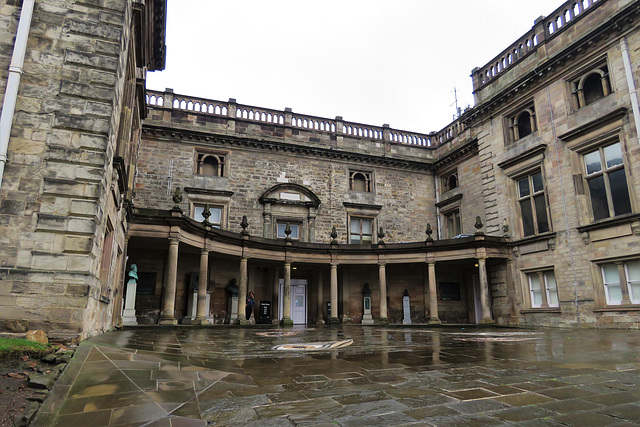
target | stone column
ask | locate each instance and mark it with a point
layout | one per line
(484, 291)
(203, 310)
(266, 221)
(311, 218)
(333, 320)
(320, 285)
(382, 279)
(169, 291)
(242, 292)
(286, 296)
(433, 294)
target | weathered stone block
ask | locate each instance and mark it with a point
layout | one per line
(67, 121)
(49, 261)
(78, 244)
(93, 29)
(12, 207)
(91, 60)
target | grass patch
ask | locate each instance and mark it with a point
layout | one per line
(13, 347)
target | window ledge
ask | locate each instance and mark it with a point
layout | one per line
(541, 310)
(536, 238)
(452, 199)
(610, 222)
(629, 307)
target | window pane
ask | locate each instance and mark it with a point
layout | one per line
(523, 187)
(527, 217)
(355, 225)
(633, 278)
(216, 214)
(294, 231)
(612, 283)
(598, 198)
(552, 289)
(619, 192)
(366, 239)
(197, 213)
(366, 226)
(538, 185)
(592, 162)
(541, 213)
(536, 293)
(613, 155)
(281, 228)
(355, 239)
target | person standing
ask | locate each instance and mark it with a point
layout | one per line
(250, 302)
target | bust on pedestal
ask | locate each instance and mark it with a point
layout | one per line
(367, 319)
(129, 314)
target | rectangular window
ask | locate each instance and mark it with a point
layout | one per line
(543, 289)
(607, 182)
(533, 204)
(281, 231)
(621, 282)
(215, 219)
(361, 230)
(360, 181)
(452, 222)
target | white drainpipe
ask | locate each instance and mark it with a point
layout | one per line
(13, 82)
(633, 92)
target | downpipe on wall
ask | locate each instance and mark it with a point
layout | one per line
(13, 81)
(633, 92)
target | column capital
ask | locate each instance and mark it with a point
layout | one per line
(204, 251)
(174, 240)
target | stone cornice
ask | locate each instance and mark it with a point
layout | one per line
(193, 190)
(457, 153)
(361, 206)
(287, 147)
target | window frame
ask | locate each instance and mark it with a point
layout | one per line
(547, 293)
(605, 172)
(361, 218)
(292, 222)
(445, 181)
(199, 204)
(512, 122)
(528, 175)
(455, 213)
(625, 288)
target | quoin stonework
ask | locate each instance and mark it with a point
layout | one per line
(523, 211)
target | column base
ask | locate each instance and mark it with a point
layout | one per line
(200, 322)
(434, 321)
(333, 321)
(286, 321)
(168, 321)
(244, 322)
(383, 321)
(487, 322)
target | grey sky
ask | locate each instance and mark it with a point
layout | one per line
(373, 61)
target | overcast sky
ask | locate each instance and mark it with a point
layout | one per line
(370, 61)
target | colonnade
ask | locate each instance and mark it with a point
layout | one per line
(170, 284)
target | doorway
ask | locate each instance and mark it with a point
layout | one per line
(298, 301)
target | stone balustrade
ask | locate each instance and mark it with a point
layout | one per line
(336, 126)
(543, 29)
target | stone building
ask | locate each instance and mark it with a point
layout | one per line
(523, 211)
(73, 104)
(544, 164)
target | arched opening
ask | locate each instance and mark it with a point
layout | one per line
(523, 123)
(592, 88)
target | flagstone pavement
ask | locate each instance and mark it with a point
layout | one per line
(350, 376)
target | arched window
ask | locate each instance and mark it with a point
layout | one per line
(591, 86)
(210, 164)
(522, 123)
(360, 181)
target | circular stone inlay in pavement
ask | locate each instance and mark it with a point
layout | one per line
(314, 346)
(277, 333)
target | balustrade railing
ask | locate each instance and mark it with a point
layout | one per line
(556, 22)
(231, 109)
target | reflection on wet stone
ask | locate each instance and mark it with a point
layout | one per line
(384, 376)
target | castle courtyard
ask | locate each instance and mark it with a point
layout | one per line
(350, 375)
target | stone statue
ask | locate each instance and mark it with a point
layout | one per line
(232, 288)
(133, 273)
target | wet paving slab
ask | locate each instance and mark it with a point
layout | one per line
(350, 375)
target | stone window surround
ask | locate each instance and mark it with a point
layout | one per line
(601, 304)
(365, 211)
(575, 82)
(277, 208)
(602, 131)
(222, 156)
(223, 212)
(215, 199)
(300, 222)
(446, 207)
(530, 199)
(445, 179)
(511, 120)
(369, 180)
(518, 167)
(525, 275)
